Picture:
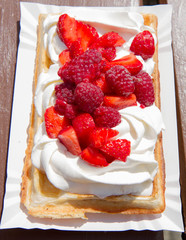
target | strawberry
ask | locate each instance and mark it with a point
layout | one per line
(94, 157)
(66, 29)
(109, 39)
(69, 139)
(83, 125)
(99, 136)
(70, 30)
(119, 149)
(76, 49)
(54, 122)
(64, 56)
(143, 45)
(118, 102)
(130, 62)
(102, 83)
(87, 34)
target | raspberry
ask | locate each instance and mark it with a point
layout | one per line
(83, 68)
(144, 89)
(71, 111)
(143, 45)
(60, 106)
(120, 80)
(106, 117)
(64, 92)
(88, 97)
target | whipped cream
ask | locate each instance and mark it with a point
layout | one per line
(140, 126)
(70, 173)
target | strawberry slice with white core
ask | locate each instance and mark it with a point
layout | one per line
(68, 138)
(120, 102)
(94, 157)
(54, 122)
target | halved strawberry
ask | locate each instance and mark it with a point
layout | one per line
(66, 29)
(64, 56)
(119, 149)
(70, 30)
(86, 34)
(54, 122)
(68, 137)
(119, 102)
(94, 157)
(102, 83)
(99, 136)
(83, 125)
(109, 39)
(130, 62)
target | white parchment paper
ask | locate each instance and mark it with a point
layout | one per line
(14, 214)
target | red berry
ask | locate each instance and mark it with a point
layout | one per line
(94, 157)
(71, 111)
(109, 39)
(84, 68)
(130, 62)
(99, 136)
(70, 30)
(120, 80)
(75, 49)
(118, 102)
(119, 149)
(64, 92)
(86, 34)
(68, 138)
(106, 117)
(102, 83)
(83, 125)
(64, 56)
(54, 122)
(88, 97)
(66, 27)
(144, 89)
(60, 106)
(143, 45)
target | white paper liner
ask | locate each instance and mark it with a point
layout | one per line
(14, 214)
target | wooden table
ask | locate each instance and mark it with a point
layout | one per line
(9, 33)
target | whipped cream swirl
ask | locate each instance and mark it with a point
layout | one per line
(70, 173)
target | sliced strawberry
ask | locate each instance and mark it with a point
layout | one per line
(68, 137)
(54, 122)
(130, 62)
(118, 102)
(76, 49)
(94, 157)
(64, 56)
(86, 34)
(69, 30)
(102, 83)
(109, 39)
(83, 125)
(66, 29)
(99, 136)
(119, 149)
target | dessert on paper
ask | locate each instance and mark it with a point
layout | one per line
(95, 142)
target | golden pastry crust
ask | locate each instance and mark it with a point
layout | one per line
(54, 203)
